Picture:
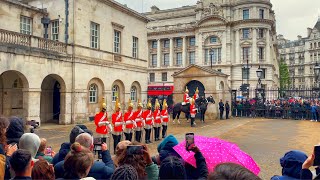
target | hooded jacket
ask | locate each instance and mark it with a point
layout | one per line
(165, 148)
(30, 142)
(291, 164)
(15, 130)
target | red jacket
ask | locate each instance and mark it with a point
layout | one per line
(147, 115)
(129, 116)
(117, 117)
(156, 115)
(193, 109)
(101, 118)
(165, 113)
(195, 96)
(139, 115)
(186, 97)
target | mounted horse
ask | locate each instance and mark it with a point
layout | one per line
(204, 105)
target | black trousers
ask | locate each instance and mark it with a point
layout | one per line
(116, 140)
(227, 114)
(147, 136)
(164, 131)
(192, 121)
(128, 136)
(156, 133)
(221, 114)
(138, 136)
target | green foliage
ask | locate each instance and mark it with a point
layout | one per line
(284, 76)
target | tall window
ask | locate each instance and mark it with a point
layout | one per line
(213, 55)
(192, 41)
(166, 59)
(166, 43)
(245, 33)
(261, 53)
(55, 30)
(261, 13)
(153, 60)
(179, 59)
(179, 42)
(192, 57)
(164, 76)
(95, 28)
(134, 47)
(245, 14)
(117, 36)
(245, 73)
(152, 77)
(261, 33)
(25, 25)
(93, 93)
(133, 93)
(115, 92)
(154, 44)
(245, 53)
(264, 73)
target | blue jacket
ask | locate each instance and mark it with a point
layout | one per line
(99, 170)
(313, 109)
(64, 150)
(291, 164)
(165, 148)
(201, 172)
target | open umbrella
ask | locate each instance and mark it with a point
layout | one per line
(240, 97)
(217, 151)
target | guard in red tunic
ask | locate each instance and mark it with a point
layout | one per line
(117, 123)
(148, 118)
(164, 118)
(186, 97)
(140, 122)
(193, 111)
(129, 120)
(103, 126)
(196, 94)
(157, 120)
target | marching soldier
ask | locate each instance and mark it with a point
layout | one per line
(196, 94)
(129, 120)
(157, 121)
(165, 118)
(102, 123)
(140, 121)
(148, 117)
(117, 123)
(186, 97)
(193, 111)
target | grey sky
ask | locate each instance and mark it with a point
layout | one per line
(293, 16)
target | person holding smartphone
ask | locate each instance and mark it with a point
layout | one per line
(45, 151)
(313, 160)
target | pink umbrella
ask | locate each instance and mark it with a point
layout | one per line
(217, 151)
(252, 101)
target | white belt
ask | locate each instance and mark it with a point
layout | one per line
(117, 133)
(148, 126)
(126, 130)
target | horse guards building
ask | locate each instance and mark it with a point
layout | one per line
(59, 58)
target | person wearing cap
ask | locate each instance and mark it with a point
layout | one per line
(117, 123)
(129, 120)
(186, 97)
(164, 118)
(103, 126)
(196, 94)
(140, 121)
(193, 111)
(148, 117)
(157, 120)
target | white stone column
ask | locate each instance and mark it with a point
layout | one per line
(171, 52)
(254, 46)
(184, 51)
(268, 57)
(237, 46)
(158, 53)
(66, 108)
(224, 48)
(199, 58)
(31, 103)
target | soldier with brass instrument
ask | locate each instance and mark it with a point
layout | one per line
(157, 120)
(117, 123)
(129, 120)
(148, 118)
(140, 121)
(103, 126)
(164, 118)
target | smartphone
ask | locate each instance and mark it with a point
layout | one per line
(316, 151)
(189, 141)
(134, 150)
(97, 141)
(49, 151)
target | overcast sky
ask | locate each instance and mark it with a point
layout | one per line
(293, 16)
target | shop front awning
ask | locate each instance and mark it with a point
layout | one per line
(160, 89)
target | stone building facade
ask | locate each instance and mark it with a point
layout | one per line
(301, 56)
(234, 37)
(92, 52)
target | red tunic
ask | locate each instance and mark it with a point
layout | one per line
(117, 117)
(195, 96)
(193, 109)
(147, 115)
(139, 116)
(165, 113)
(186, 97)
(129, 116)
(101, 117)
(156, 115)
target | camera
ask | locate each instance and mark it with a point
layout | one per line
(33, 125)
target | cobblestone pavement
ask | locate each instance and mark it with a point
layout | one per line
(266, 140)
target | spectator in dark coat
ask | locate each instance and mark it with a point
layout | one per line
(227, 171)
(99, 170)
(227, 110)
(15, 130)
(165, 149)
(221, 108)
(291, 164)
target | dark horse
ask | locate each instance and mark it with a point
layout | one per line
(178, 108)
(203, 106)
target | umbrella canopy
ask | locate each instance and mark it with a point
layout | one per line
(240, 97)
(252, 101)
(217, 151)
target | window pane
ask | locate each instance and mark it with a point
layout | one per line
(192, 57)
(246, 14)
(192, 41)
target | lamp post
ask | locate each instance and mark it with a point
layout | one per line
(317, 78)
(259, 89)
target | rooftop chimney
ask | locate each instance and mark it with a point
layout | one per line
(154, 9)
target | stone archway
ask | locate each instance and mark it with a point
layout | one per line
(193, 85)
(135, 90)
(95, 94)
(13, 100)
(119, 90)
(52, 102)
